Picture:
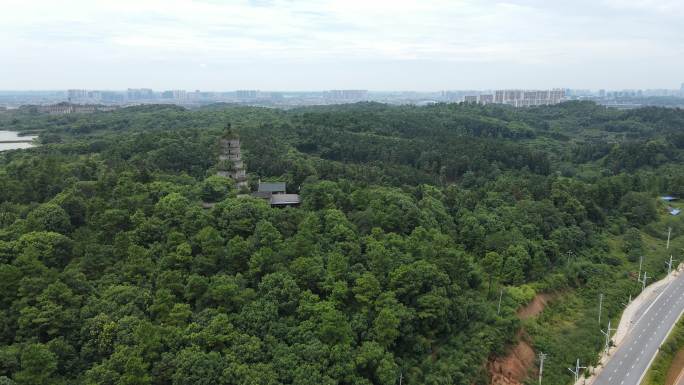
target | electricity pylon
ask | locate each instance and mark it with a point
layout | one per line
(607, 334)
(576, 371)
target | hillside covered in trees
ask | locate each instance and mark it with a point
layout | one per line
(413, 221)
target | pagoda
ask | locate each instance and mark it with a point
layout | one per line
(230, 163)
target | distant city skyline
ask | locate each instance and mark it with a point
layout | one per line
(676, 87)
(341, 44)
(84, 100)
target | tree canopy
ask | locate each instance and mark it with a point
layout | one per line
(413, 219)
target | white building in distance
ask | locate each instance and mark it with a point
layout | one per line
(519, 98)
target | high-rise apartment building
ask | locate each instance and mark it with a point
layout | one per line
(356, 95)
(77, 94)
(247, 94)
(520, 98)
(175, 94)
(486, 99)
(139, 94)
(556, 96)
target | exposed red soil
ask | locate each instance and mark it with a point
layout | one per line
(536, 306)
(519, 363)
(514, 368)
(675, 368)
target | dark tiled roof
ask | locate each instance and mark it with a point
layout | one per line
(262, 194)
(272, 187)
(285, 199)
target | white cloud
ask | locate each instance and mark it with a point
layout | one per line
(345, 34)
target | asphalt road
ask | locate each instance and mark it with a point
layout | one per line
(632, 359)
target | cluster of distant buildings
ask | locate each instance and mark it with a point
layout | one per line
(623, 99)
(64, 108)
(626, 93)
(519, 98)
(148, 95)
(346, 95)
(626, 98)
(632, 98)
(133, 95)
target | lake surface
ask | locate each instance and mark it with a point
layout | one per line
(13, 135)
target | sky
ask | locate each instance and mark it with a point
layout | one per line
(381, 45)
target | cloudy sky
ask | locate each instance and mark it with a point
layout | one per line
(318, 44)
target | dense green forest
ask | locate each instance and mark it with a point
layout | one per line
(413, 220)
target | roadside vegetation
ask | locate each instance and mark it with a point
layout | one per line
(569, 329)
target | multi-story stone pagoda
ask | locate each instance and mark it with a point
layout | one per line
(230, 159)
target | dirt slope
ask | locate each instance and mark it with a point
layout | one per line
(519, 363)
(515, 367)
(676, 368)
(536, 306)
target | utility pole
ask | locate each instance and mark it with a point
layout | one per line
(669, 231)
(542, 357)
(576, 371)
(600, 307)
(669, 265)
(498, 308)
(643, 282)
(607, 334)
(401, 377)
(641, 261)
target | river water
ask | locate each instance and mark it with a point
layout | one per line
(13, 135)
